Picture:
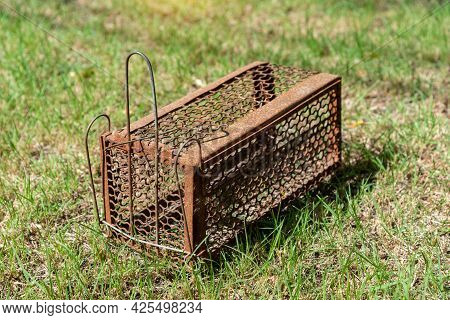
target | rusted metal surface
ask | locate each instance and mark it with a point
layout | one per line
(189, 176)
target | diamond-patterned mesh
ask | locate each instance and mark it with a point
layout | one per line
(285, 159)
(143, 179)
(218, 108)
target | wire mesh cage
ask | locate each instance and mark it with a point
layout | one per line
(189, 176)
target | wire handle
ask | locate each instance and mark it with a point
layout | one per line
(91, 178)
(155, 113)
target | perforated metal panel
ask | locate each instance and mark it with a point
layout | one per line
(225, 155)
(282, 160)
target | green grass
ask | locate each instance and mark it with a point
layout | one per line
(378, 230)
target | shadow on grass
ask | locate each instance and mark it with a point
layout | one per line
(359, 168)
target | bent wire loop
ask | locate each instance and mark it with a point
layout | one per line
(91, 178)
(155, 113)
(130, 142)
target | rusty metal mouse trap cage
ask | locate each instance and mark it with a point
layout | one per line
(189, 176)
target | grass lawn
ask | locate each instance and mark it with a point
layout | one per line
(379, 230)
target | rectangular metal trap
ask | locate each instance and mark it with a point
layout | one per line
(191, 175)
